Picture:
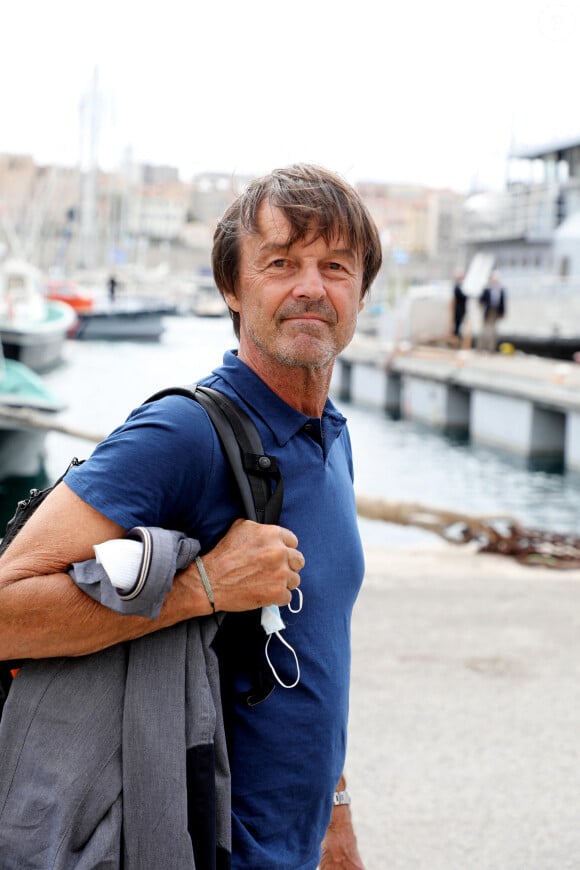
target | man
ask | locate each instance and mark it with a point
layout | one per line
(112, 285)
(459, 304)
(293, 257)
(493, 305)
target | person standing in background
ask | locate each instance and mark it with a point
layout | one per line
(459, 304)
(493, 305)
(112, 285)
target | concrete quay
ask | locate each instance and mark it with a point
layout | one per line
(464, 744)
(524, 404)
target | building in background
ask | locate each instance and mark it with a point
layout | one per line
(421, 232)
(145, 216)
(212, 193)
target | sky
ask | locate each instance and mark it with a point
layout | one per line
(409, 91)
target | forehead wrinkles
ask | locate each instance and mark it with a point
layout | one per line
(273, 232)
(300, 222)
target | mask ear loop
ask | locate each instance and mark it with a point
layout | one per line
(298, 591)
(287, 645)
(273, 669)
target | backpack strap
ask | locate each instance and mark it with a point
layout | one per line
(254, 470)
(5, 682)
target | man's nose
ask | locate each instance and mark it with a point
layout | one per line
(309, 283)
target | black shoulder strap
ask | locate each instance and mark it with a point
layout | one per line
(255, 472)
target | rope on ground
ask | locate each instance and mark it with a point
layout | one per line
(495, 533)
(26, 418)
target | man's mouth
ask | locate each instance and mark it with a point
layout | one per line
(309, 316)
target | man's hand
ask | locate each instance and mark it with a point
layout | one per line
(254, 565)
(339, 849)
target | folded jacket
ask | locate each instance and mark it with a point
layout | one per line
(118, 759)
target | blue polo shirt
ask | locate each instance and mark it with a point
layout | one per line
(164, 467)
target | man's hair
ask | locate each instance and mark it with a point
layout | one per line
(315, 202)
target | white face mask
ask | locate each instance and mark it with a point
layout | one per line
(272, 623)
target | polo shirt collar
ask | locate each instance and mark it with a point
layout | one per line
(282, 419)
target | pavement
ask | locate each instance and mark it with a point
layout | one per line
(464, 742)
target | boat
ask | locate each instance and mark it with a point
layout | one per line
(421, 316)
(207, 300)
(542, 318)
(33, 329)
(530, 233)
(134, 318)
(25, 402)
(110, 316)
(71, 292)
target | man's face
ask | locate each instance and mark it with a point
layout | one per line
(298, 305)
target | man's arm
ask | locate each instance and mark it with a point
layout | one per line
(340, 849)
(43, 613)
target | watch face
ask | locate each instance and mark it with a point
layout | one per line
(341, 798)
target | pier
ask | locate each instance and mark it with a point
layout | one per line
(523, 404)
(463, 749)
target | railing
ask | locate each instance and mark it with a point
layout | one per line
(524, 211)
(542, 286)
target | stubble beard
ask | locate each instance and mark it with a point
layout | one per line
(305, 350)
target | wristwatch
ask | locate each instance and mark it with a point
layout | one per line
(341, 798)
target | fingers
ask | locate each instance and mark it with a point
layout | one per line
(296, 560)
(288, 537)
(292, 584)
(254, 565)
(257, 533)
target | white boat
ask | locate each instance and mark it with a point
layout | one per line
(207, 300)
(24, 403)
(421, 316)
(33, 329)
(543, 315)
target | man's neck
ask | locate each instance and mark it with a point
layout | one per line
(303, 388)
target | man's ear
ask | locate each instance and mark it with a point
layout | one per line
(232, 300)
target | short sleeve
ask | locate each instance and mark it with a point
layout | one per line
(154, 469)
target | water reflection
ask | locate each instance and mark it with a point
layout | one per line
(403, 461)
(394, 459)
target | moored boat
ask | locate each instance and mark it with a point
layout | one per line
(66, 290)
(33, 329)
(22, 392)
(207, 300)
(134, 318)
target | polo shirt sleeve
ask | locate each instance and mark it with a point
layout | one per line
(154, 469)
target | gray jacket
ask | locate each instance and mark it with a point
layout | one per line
(118, 759)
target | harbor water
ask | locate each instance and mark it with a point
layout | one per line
(101, 382)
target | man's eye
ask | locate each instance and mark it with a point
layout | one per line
(278, 263)
(335, 266)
